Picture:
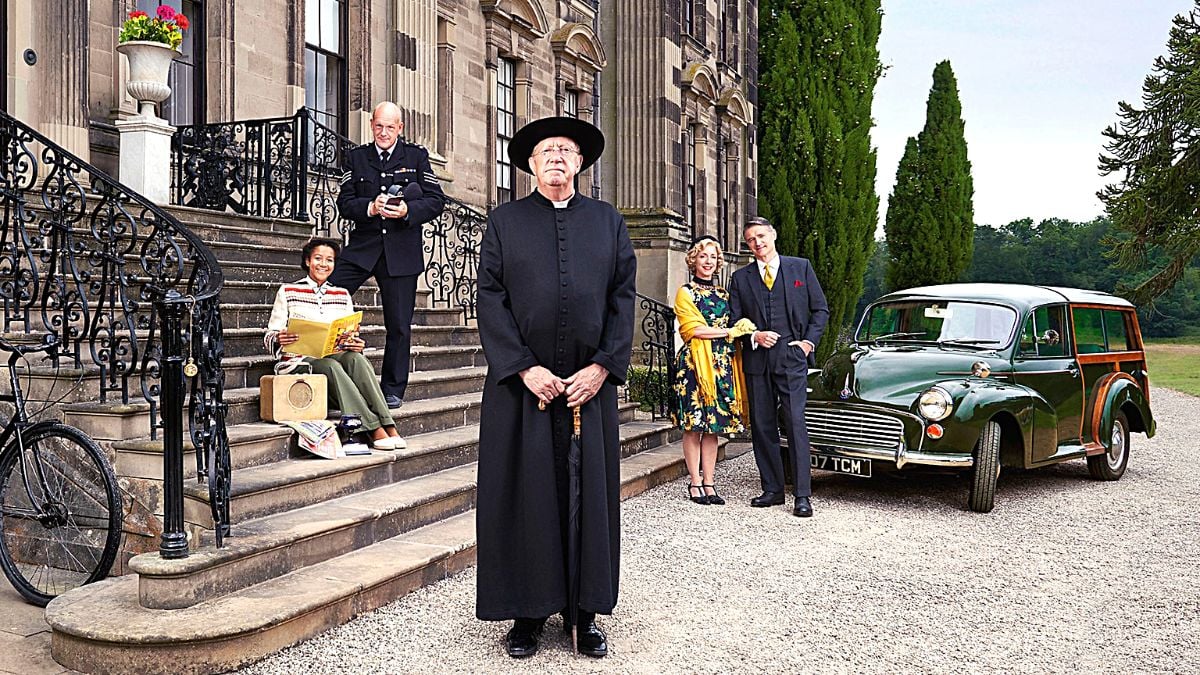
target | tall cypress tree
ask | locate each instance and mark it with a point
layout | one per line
(818, 65)
(931, 217)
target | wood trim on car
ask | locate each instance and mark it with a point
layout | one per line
(1101, 393)
(1107, 357)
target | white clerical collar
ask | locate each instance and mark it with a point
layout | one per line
(563, 204)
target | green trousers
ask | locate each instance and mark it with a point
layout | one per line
(353, 387)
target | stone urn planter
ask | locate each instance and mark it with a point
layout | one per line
(149, 66)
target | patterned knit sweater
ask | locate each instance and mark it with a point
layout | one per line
(304, 299)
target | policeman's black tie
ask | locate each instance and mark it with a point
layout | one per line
(384, 156)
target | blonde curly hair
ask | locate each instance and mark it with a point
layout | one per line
(694, 253)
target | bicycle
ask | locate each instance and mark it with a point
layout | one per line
(60, 507)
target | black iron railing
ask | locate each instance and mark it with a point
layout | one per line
(289, 167)
(125, 288)
(452, 256)
(282, 167)
(649, 381)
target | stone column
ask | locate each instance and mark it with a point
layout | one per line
(414, 67)
(146, 156)
(60, 77)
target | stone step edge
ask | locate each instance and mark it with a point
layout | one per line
(270, 624)
(254, 480)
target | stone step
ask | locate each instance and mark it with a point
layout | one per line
(256, 315)
(293, 483)
(245, 371)
(103, 628)
(213, 226)
(249, 341)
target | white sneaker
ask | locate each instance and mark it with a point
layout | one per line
(384, 444)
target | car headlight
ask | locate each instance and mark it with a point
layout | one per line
(935, 404)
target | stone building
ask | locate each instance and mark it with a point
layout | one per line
(671, 83)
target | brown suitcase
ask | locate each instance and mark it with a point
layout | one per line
(293, 398)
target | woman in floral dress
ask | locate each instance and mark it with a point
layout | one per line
(708, 386)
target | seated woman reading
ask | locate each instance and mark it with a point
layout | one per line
(353, 387)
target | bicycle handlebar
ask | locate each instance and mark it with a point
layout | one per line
(49, 344)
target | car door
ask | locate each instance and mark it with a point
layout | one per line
(1044, 362)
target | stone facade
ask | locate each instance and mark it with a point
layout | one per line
(671, 83)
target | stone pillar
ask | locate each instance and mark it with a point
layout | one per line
(146, 156)
(61, 74)
(414, 68)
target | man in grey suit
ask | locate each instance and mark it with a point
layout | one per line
(783, 298)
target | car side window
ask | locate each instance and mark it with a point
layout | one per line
(1043, 333)
(1089, 329)
(1116, 331)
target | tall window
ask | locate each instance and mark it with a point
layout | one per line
(186, 104)
(506, 123)
(688, 20)
(689, 179)
(571, 105)
(325, 62)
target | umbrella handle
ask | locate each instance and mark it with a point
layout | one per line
(575, 414)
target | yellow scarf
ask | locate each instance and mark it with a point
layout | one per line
(701, 355)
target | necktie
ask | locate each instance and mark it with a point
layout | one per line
(384, 156)
(768, 278)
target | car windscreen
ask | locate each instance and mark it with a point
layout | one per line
(952, 321)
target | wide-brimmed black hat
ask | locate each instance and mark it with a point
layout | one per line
(588, 137)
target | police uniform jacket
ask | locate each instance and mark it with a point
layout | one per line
(397, 240)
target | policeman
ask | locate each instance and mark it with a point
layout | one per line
(386, 240)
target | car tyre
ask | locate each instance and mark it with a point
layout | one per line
(986, 470)
(1111, 465)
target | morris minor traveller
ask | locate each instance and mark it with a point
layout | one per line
(977, 377)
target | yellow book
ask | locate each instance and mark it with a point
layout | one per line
(319, 339)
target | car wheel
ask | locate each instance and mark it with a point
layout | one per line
(1111, 465)
(986, 470)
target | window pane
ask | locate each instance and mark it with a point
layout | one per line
(331, 25)
(312, 22)
(1114, 327)
(310, 78)
(1089, 330)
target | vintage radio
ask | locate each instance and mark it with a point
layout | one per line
(293, 398)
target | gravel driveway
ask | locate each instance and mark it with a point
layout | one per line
(1067, 574)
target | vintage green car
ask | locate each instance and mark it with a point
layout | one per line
(975, 377)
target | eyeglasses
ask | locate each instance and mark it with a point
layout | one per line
(553, 150)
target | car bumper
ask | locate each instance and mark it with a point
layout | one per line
(876, 433)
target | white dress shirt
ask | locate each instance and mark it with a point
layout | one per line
(773, 264)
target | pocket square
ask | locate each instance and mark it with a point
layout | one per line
(799, 283)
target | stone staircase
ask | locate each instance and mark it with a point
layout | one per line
(314, 542)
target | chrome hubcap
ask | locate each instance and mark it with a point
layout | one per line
(1116, 448)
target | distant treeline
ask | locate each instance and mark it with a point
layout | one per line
(1058, 252)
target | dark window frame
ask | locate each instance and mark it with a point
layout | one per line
(340, 58)
(506, 123)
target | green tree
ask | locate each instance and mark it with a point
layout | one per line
(818, 65)
(1155, 152)
(931, 218)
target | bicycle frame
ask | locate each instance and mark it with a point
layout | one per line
(18, 426)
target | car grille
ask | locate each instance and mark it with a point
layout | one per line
(853, 428)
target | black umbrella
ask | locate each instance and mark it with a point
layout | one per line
(574, 497)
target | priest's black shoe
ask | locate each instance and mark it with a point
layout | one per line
(522, 639)
(803, 508)
(592, 641)
(767, 499)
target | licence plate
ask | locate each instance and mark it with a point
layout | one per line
(852, 466)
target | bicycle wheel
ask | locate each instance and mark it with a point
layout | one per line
(65, 533)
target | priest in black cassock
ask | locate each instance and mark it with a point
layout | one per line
(556, 299)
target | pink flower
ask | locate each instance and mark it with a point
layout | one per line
(166, 12)
(182, 22)
(136, 14)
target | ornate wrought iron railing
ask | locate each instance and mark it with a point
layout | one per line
(289, 167)
(452, 256)
(650, 381)
(125, 288)
(281, 167)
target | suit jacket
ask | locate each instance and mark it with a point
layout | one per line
(807, 311)
(399, 241)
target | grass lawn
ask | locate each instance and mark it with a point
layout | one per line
(1175, 363)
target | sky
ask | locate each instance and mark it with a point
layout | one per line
(1038, 80)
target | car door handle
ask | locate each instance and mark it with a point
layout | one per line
(1073, 370)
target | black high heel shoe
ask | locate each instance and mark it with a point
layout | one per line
(714, 498)
(702, 499)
